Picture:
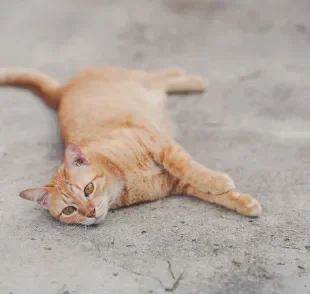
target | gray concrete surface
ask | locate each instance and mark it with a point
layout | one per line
(254, 123)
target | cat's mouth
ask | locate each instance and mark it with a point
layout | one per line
(101, 213)
(93, 220)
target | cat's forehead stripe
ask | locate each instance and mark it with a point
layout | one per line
(61, 184)
(64, 198)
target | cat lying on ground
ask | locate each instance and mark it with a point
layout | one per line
(119, 144)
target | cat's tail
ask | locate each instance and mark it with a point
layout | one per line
(39, 83)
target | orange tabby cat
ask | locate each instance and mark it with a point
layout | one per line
(119, 144)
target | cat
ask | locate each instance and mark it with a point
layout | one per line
(119, 144)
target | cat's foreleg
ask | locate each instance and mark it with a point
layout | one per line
(182, 166)
(241, 203)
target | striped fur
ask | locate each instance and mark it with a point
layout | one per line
(119, 137)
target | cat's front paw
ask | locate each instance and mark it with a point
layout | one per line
(247, 205)
(221, 183)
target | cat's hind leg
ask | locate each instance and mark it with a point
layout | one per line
(167, 73)
(185, 84)
(178, 83)
(169, 80)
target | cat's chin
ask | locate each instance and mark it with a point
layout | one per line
(100, 219)
(88, 221)
(94, 220)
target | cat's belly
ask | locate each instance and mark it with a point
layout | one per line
(151, 184)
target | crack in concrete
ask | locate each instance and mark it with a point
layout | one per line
(170, 269)
(173, 287)
(132, 271)
(290, 247)
(175, 284)
(176, 281)
(170, 289)
(95, 244)
(167, 289)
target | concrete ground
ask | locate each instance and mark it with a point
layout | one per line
(253, 123)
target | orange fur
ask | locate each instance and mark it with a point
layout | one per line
(118, 136)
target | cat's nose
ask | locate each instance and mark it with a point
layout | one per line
(92, 213)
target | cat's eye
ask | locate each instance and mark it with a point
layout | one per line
(69, 210)
(89, 189)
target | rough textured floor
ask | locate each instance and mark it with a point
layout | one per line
(253, 123)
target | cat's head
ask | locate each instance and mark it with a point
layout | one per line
(78, 193)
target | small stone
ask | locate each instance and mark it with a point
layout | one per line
(236, 263)
(115, 274)
(194, 240)
(301, 267)
(286, 239)
(48, 248)
(143, 232)
(307, 247)
(32, 238)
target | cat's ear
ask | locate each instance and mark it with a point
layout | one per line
(74, 157)
(39, 195)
